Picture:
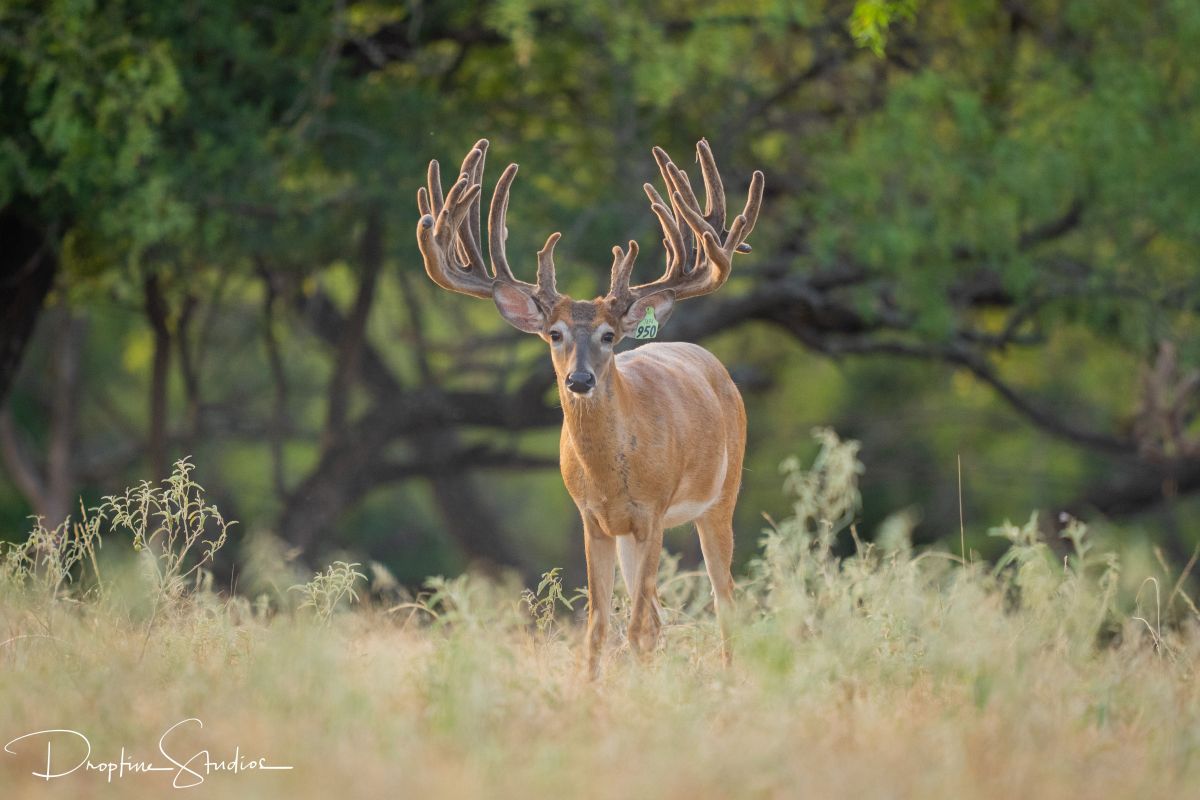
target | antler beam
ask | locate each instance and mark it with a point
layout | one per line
(448, 234)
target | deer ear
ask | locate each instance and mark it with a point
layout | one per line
(662, 302)
(518, 308)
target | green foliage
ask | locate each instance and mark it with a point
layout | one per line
(48, 561)
(871, 20)
(204, 143)
(218, 136)
(173, 525)
(327, 590)
(543, 602)
(827, 496)
(87, 99)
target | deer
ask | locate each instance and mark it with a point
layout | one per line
(652, 437)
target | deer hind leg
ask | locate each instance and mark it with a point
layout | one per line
(644, 621)
(629, 551)
(716, 543)
(601, 553)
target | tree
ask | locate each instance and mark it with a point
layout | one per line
(1003, 188)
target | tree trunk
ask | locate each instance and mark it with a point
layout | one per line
(354, 332)
(27, 270)
(60, 472)
(50, 491)
(156, 313)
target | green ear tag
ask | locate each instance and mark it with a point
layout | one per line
(648, 327)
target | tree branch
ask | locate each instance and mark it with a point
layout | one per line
(1140, 488)
(21, 468)
(279, 415)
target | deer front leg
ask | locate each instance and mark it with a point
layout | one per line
(601, 553)
(644, 623)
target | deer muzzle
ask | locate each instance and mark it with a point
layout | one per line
(581, 382)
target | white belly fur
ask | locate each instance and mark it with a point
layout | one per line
(688, 510)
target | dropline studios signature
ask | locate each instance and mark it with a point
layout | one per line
(188, 771)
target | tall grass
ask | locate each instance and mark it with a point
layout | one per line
(893, 672)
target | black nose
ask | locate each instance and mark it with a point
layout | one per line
(581, 382)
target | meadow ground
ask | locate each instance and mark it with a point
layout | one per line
(889, 673)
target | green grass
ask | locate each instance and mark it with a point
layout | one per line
(891, 673)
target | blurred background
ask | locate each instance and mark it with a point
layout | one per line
(979, 244)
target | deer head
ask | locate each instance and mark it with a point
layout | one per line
(582, 333)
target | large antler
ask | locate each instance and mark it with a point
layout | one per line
(448, 234)
(700, 250)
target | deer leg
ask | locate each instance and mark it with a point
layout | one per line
(629, 551)
(644, 621)
(716, 543)
(601, 553)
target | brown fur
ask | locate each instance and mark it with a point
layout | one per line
(664, 427)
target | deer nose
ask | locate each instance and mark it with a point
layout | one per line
(581, 382)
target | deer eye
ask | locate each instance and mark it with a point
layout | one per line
(556, 336)
(607, 338)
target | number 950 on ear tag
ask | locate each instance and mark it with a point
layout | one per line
(648, 327)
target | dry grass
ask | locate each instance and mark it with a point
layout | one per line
(888, 674)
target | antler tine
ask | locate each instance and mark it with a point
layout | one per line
(545, 291)
(692, 235)
(622, 268)
(467, 244)
(749, 215)
(547, 288)
(435, 186)
(714, 189)
(497, 225)
(673, 239)
(677, 255)
(472, 241)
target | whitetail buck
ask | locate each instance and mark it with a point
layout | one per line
(653, 437)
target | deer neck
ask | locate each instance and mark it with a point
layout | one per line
(597, 427)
